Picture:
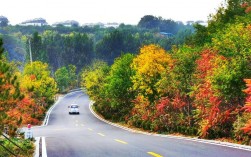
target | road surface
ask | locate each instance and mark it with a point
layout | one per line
(84, 135)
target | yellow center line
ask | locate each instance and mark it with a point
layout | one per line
(154, 154)
(120, 141)
(90, 129)
(101, 134)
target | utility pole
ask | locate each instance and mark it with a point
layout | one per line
(30, 50)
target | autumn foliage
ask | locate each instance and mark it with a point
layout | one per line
(23, 97)
(247, 107)
(194, 89)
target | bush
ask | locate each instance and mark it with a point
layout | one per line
(238, 124)
(26, 145)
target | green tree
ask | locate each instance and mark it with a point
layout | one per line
(36, 48)
(72, 75)
(93, 80)
(234, 44)
(66, 78)
(149, 21)
(62, 78)
(118, 86)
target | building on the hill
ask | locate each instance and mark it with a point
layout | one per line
(112, 24)
(68, 23)
(165, 34)
(102, 25)
(203, 23)
(34, 22)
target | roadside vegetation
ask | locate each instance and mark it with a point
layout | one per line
(25, 148)
(201, 88)
(196, 82)
(29, 84)
(24, 98)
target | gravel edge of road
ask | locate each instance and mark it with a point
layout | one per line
(213, 142)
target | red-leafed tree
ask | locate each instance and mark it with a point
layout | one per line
(211, 110)
(247, 107)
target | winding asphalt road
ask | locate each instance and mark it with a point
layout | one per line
(84, 135)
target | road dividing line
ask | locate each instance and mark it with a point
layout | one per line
(76, 125)
(90, 129)
(37, 146)
(82, 125)
(44, 152)
(154, 154)
(120, 141)
(101, 134)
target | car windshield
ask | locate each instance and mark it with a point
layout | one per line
(74, 106)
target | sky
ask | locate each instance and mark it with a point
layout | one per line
(120, 11)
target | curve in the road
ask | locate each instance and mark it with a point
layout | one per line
(85, 135)
(213, 142)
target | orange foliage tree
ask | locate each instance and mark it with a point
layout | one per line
(247, 107)
(10, 95)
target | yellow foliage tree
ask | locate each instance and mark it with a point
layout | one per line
(149, 65)
(36, 78)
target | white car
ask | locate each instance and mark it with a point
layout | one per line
(73, 109)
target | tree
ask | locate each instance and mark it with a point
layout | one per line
(114, 44)
(227, 13)
(10, 94)
(118, 86)
(233, 43)
(36, 48)
(214, 78)
(242, 125)
(160, 24)
(77, 49)
(3, 21)
(247, 107)
(175, 107)
(36, 78)
(149, 65)
(200, 37)
(66, 78)
(149, 21)
(1, 48)
(62, 78)
(94, 78)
